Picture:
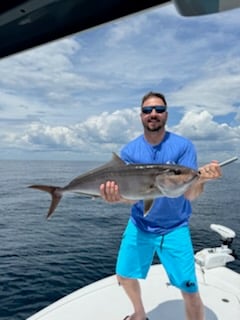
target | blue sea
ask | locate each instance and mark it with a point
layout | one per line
(43, 260)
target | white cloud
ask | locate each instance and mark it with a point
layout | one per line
(107, 132)
(104, 133)
(220, 140)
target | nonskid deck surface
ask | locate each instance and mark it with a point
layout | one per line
(105, 300)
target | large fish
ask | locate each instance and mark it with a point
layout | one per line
(136, 182)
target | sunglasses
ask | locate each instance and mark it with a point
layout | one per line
(158, 109)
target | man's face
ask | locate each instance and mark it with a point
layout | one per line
(154, 121)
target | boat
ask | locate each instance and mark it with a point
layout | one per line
(104, 299)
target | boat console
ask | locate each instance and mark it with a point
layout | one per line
(209, 258)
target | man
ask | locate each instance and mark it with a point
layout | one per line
(167, 224)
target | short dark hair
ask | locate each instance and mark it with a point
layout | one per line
(154, 94)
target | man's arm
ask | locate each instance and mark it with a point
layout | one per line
(208, 172)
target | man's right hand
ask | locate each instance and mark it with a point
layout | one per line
(110, 192)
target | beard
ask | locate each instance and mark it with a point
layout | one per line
(153, 129)
(155, 126)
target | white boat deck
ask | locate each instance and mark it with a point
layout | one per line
(105, 300)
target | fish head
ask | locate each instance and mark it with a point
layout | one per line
(174, 180)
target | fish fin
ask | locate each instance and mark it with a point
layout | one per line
(55, 193)
(117, 160)
(147, 206)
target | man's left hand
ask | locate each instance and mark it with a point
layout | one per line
(210, 171)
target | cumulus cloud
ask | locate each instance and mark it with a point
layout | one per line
(219, 139)
(98, 134)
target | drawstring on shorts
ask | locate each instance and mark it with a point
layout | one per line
(161, 244)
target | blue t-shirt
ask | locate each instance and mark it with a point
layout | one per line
(166, 213)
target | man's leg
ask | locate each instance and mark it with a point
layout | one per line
(177, 257)
(133, 290)
(134, 259)
(193, 306)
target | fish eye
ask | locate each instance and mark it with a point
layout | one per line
(177, 171)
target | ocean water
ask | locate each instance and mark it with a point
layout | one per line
(43, 260)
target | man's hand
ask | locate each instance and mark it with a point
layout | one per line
(110, 192)
(210, 171)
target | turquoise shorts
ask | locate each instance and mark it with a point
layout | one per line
(174, 250)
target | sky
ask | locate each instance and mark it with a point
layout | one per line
(78, 98)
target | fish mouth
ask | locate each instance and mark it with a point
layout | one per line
(196, 176)
(191, 179)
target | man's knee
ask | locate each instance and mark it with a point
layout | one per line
(192, 298)
(119, 279)
(122, 281)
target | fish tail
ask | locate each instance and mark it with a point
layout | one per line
(55, 193)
